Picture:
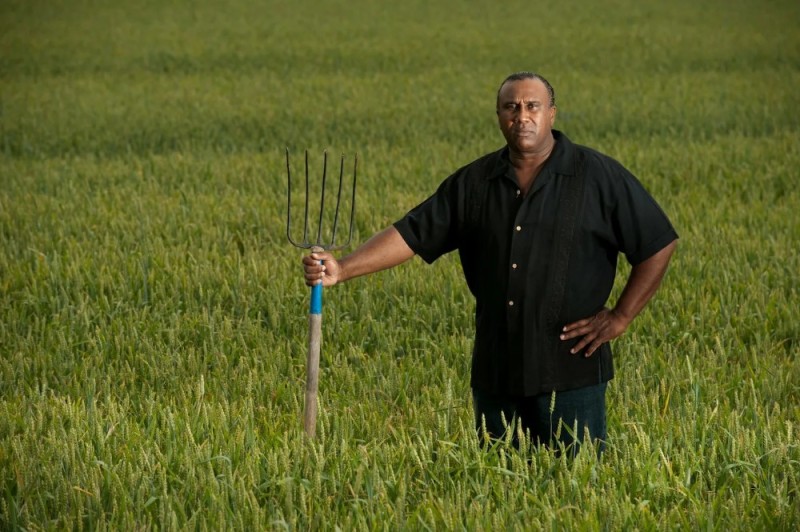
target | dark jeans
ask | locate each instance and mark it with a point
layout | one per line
(550, 421)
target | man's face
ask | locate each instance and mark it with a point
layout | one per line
(525, 115)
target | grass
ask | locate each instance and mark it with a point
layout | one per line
(153, 317)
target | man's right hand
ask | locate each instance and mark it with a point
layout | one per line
(327, 273)
(383, 250)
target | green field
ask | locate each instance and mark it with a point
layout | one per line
(153, 316)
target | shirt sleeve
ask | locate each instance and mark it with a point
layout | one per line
(641, 227)
(430, 228)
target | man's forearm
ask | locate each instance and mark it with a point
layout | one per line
(384, 250)
(643, 282)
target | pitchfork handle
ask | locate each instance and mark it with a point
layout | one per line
(312, 364)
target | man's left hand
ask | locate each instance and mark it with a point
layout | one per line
(594, 331)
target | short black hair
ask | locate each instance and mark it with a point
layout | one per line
(519, 76)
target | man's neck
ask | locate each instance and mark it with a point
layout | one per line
(527, 160)
(528, 165)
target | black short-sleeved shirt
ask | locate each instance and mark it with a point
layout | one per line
(526, 281)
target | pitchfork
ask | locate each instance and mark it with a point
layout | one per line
(317, 246)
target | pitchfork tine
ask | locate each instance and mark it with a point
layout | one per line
(338, 202)
(353, 202)
(305, 220)
(289, 202)
(322, 197)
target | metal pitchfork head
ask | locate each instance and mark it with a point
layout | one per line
(319, 241)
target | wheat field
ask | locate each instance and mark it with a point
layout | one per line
(153, 315)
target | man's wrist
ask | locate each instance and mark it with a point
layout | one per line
(344, 274)
(624, 317)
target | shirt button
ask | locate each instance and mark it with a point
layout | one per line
(510, 303)
(514, 266)
(519, 228)
(519, 192)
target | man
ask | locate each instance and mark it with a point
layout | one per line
(538, 226)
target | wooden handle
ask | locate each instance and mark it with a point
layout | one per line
(312, 373)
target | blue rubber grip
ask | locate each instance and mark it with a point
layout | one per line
(316, 298)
